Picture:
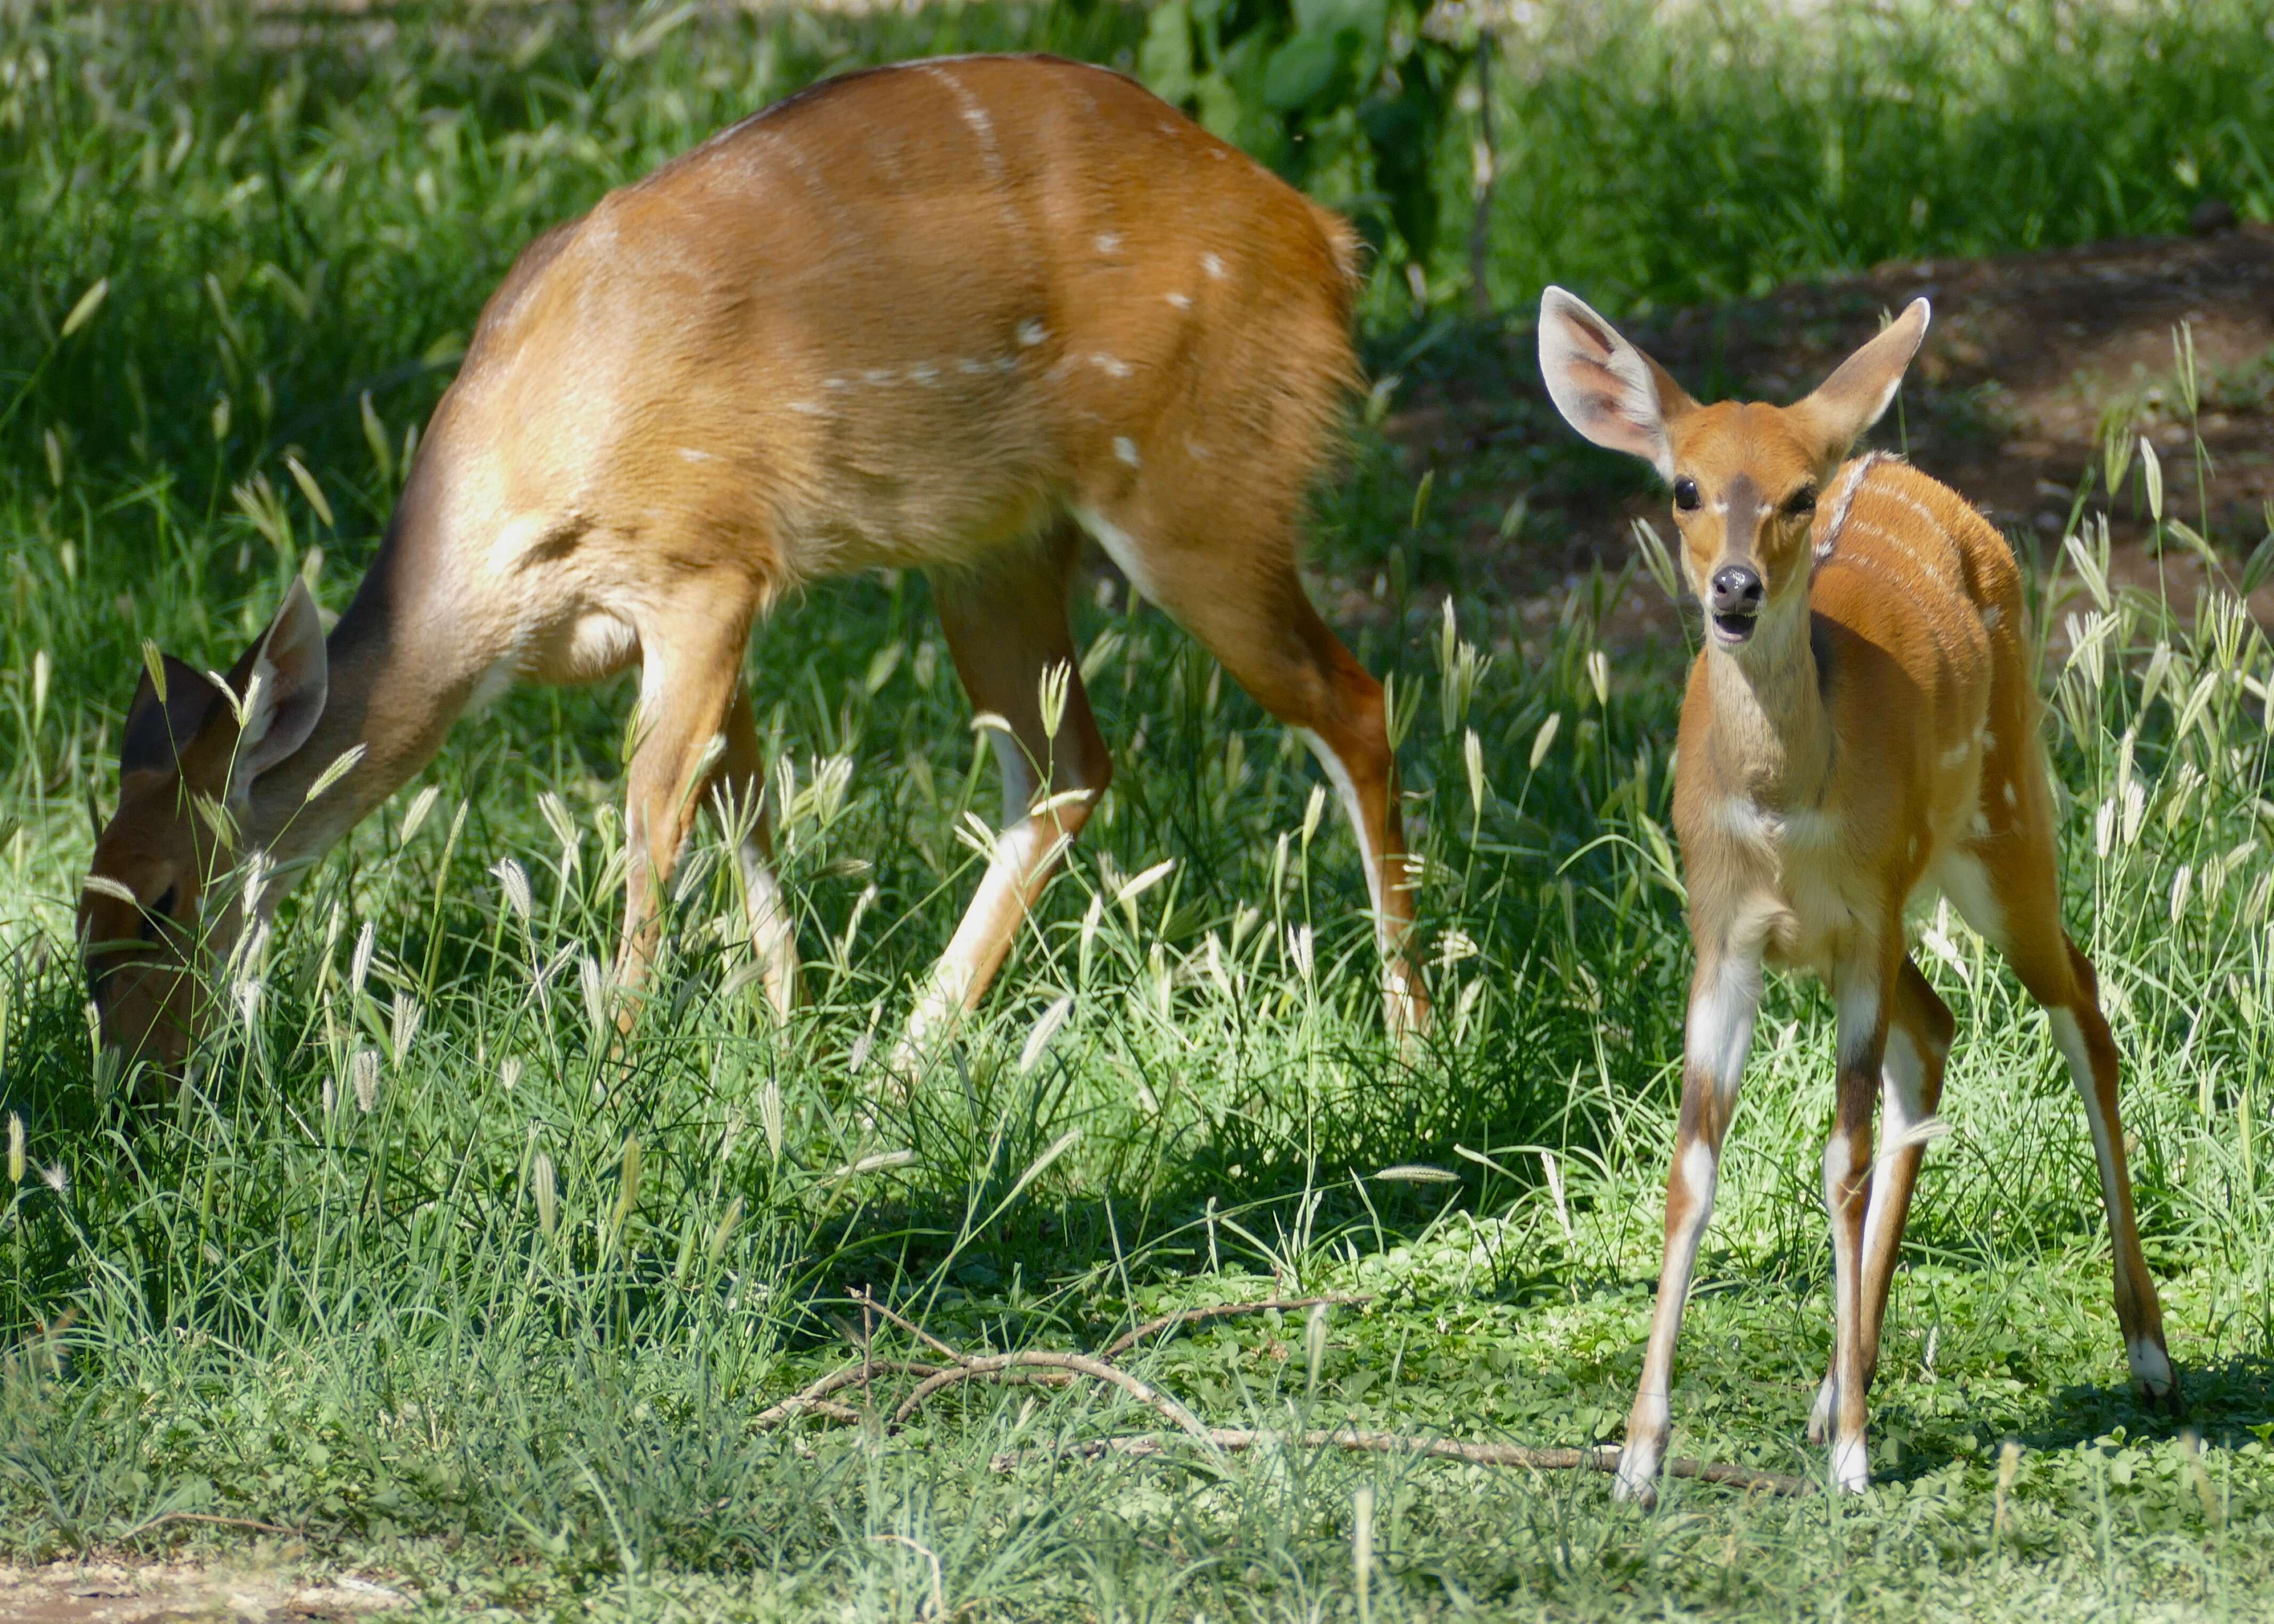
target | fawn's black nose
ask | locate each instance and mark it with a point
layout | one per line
(1737, 590)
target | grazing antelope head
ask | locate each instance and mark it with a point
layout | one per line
(1746, 478)
(187, 762)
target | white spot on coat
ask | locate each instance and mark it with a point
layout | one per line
(1032, 332)
(1108, 242)
(1213, 265)
(1182, 301)
(1125, 449)
(1112, 366)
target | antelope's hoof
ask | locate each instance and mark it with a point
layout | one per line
(2162, 1398)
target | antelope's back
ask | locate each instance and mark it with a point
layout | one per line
(1928, 599)
(899, 318)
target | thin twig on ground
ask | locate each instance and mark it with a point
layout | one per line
(218, 1521)
(1123, 1343)
(1604, 1458)
(862, 1295)
(998, 1366)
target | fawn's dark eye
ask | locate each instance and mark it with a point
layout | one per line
(1685, 494)
(1801, 502)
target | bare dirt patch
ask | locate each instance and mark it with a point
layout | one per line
(2033, 361)
(247, 1587)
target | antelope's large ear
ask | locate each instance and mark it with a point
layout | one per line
(1605, 387)
(1853, 398)
(158, 729)
(280, 681)
(285, 687)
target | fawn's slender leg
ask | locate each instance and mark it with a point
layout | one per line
(1725, 994)
(1864, 990)
(1911, 1086)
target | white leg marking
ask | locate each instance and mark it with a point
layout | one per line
(1962, 879)
(490, 687)
(1720, 1031)
(1128, 553)
(1647, 1422)
(2151, 1368)
(773, 940)
(1019, 779)
(1346, 790)
(1858, 1014)
(1002, 890)
(2068, 1037)
(1851, 1465)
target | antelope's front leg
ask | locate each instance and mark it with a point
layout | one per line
(1861, 993)
(691, 670)
(1724, 996)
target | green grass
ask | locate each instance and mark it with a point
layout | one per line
(262, 1300)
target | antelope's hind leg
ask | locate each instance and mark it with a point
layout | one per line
(738, 799)
(1228, 577)
(1919, 1031)
(2014, 902)
(1005, 621)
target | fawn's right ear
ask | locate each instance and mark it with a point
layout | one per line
(160, 727)
(1605, 387)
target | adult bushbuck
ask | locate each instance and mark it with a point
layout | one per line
(946, 316)
(1860, 728)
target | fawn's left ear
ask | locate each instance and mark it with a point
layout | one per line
(1605, 387)
(1853, 398)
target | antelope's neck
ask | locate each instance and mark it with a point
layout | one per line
(396, 680)
(1772, 738)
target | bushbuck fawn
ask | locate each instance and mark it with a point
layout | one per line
(947, 316)
(1860, 727)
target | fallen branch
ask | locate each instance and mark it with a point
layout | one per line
(1061, 1370)
(1604, 1458)
(814, 1399)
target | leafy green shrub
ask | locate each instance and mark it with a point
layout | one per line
(1351, 99)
